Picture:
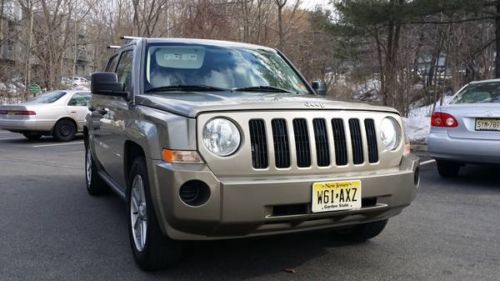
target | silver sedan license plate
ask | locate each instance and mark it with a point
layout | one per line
(487, 124)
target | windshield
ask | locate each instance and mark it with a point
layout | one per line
(219, 67)
(48, 97)
(479, 93)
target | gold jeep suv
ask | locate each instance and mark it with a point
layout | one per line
(218, 140)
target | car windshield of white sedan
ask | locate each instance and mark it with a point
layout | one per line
(479, 93)
(201, 67)
(49, 97)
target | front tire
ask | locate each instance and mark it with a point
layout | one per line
(151, 249)
(362, 232)
(447, 169)
(64, 130)
(95, 184)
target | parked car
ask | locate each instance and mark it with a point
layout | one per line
(75, 81)
(467, 130)
(57, 113)
(218, 140)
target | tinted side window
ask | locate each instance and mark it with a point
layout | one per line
(79, 99)
(112, 64)
(124, 69)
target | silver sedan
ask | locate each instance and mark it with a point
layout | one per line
(467, 130)
(58, 113)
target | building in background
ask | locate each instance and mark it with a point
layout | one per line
(20, 66)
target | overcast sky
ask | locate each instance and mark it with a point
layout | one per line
(311, 4)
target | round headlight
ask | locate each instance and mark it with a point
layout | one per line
(390, 133)
(221, 137)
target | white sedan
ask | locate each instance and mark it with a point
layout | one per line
(57, 113)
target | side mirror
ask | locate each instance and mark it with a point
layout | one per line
(106, 83)
(320, 87)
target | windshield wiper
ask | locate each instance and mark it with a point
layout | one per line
(261, 89)
(185, 88)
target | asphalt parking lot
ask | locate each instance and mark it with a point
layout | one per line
(52, 230)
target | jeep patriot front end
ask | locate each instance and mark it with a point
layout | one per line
(216, 140)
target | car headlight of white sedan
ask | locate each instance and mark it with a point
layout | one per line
(390, 133)
(221, 137)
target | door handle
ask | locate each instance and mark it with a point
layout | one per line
(102, 111)
(98, 111)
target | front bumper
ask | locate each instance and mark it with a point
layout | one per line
(20, 125)
(441, 146)
(243, 207)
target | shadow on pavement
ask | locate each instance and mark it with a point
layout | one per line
(471, 179)
(20, 139)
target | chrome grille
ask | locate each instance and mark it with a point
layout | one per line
(315, 143)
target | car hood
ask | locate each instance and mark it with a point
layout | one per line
(191, 104)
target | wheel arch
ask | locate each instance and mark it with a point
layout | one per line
(65, 118)
(132, 150)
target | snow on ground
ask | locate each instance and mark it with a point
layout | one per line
(418, 123)
(80, 88)
(417, 128)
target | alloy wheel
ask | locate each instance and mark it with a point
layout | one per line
(138, 213)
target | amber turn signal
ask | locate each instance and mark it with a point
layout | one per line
(181, 156)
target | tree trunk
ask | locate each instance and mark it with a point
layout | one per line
(497, 35)
(280, 27)
(383, 89)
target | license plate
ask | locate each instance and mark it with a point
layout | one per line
(336, 196)
(487, 124)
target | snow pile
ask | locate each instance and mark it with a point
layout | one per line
(418, 123)
(80, 88)
(417, 128)
(368, 91)
(12, 87)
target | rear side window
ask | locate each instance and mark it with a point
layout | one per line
(124, 69)
(80, 99)
(479, 93)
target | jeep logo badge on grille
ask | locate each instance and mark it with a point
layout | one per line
(314, 104)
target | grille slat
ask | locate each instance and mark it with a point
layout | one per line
(321, 138)
(259, 144)
(340, 142)
(302, 143)
(357, 142)
(371, 137)
(283, 142)
(281, 147)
